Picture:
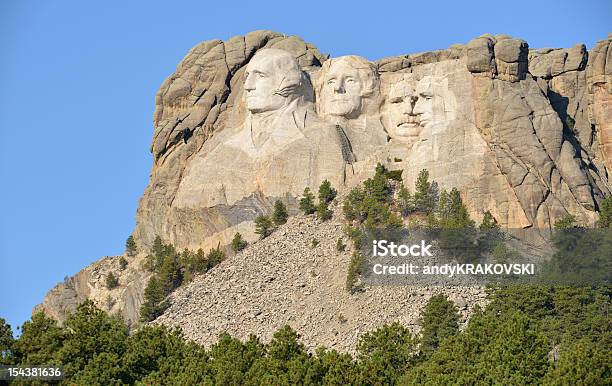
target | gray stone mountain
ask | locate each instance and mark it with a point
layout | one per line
(522, 133)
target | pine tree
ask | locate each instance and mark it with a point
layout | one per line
(238, 243)
(380, 169)
(279, 216)
(385, 354)
(90, 332)
(130, 246)
(307, 202)
(6, 343)
(605, 215)
(569, 221)
(326, 192)
(378, 188)
(340, 246)
(263, 226)
(154, 300)
(123, 263)
(199, 261)
(111, 281)
(488, 222)
(214, 257)
(405, 201)
(490, 236)
(323, 212)
(439, 321)
(170, 274)
(158, 246)
(426, 193)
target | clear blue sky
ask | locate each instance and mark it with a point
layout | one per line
(78, 82)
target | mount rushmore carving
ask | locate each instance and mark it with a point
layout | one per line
(260, 117)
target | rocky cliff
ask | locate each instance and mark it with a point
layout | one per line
(522, 133)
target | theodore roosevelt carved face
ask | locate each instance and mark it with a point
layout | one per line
(273, 80)
(399, 116)
(343, 83)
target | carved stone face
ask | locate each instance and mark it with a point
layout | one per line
(398, 111)
(429, 106)
(265, 74)
(342, 91)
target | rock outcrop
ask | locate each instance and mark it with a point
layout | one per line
(90, 283)
(522, 133)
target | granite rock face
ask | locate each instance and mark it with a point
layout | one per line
(90, 283)
(522, 133)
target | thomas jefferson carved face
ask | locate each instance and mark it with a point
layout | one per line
(398, 111)
(273, 79)
(345, 82)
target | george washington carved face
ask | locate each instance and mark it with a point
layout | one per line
(273, 80)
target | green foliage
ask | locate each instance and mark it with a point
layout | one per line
(280, 215)
(385, 353)
(439, 320)
(90, 331)
(214, 257)
(130, 246)
(502, 254)
(340, 246)
(378, 187)
(581, 363)
(326, 192)
(159, 248)
(605, 214)
(490, 237)
(490, 351)
(263, 226)
(155, 302)
(6, 343)
(111, 281)
(123, 263)
(405, 201)
(307, 202)
(370, 205)
(355, 269)
(171, 270)
(395, 175)
(569, 221)
(488, 222)
(526, 335)
(170, 273)
(426, 193)
(582, 256)
(314, 243)
(323, 212)
(238, 243)
(40, 341)
(356, 235)
(451, 211)
(196, 263)
(457, 236)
